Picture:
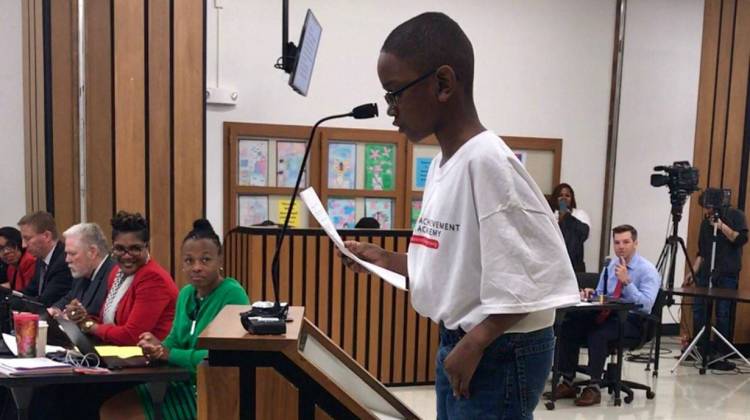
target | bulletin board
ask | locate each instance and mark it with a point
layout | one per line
(356, 172)
(541, 157)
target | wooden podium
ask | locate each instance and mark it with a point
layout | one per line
(300, 375)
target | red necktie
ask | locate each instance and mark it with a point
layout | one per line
(604, 314)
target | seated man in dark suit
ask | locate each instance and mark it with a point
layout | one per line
(629, 278)
(87, 255)
(52, 278)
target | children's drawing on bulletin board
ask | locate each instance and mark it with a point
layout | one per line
(421, 167)
(379, 167)
(521, 155)
(342, 160)
(416, 208)
(289, 155)
(252, 209)
(381, 209)
(342, 212)
(253, 163)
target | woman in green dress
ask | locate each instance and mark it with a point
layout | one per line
(197, 305)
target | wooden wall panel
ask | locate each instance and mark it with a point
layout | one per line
(321, 414)
(721, 95)
(738, 107)
(33, 103)
(277, 398)
(217, 392)
(130, 117)
(188, 72)
(65, 172)
(144, 89)
(159, 133)
(704, 115)
(737, 100)
(99, 136)
(720, 125)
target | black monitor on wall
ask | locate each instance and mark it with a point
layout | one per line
(304, 57)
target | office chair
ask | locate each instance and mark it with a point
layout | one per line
(651, 321)
(587, 280)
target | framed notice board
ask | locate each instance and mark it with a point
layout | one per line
(356, 173)
(364, 176)
(540, 156)
(262, 162)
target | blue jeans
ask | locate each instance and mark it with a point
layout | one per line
(723, 307)
(508, 381)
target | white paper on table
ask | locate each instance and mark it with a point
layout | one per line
(312, 201)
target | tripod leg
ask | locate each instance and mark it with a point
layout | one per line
(656, 347)
(734, 349)
(687, 258)
(662, 256)
(689, 349)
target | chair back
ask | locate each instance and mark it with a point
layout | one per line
(652, 322)
(587, 280)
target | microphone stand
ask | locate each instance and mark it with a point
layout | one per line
(262, 319)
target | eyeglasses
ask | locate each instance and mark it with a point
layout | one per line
(391, 98)
(133, 250)
(7, 248)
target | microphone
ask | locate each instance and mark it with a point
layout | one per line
(365, 111)
(606, 274)
(10, 292)
(262, 319)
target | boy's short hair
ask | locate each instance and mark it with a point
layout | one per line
(430, 40)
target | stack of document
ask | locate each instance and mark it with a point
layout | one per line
(33, 366)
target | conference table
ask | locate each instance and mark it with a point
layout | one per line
(157, 378)
(710, 294)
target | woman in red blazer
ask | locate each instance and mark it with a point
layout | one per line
(21, 264)
(141, 296)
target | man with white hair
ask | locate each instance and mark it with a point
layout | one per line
(87, 256)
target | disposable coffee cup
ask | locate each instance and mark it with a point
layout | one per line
(41, 339)
(26, 325)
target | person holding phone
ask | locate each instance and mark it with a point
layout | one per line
(630, 278)
(574, 223)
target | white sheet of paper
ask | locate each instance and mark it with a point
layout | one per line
(312, 201)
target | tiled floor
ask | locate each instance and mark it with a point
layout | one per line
(684, 394)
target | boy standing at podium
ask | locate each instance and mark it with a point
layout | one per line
(486, 259)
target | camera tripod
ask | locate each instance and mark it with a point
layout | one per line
(692, 349)
(665, 265)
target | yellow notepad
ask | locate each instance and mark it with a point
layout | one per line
(119, 351)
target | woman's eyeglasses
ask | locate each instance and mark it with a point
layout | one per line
(133, 250)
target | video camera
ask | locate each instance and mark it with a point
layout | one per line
(681, 179)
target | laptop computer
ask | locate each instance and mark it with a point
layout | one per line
(85, 346)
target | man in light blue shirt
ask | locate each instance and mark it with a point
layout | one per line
(629, 278)
(640, 280)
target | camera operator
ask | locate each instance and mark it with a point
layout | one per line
(731, 234)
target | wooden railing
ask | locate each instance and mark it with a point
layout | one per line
(367, 317)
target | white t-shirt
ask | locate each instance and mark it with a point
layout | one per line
(486, 242)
